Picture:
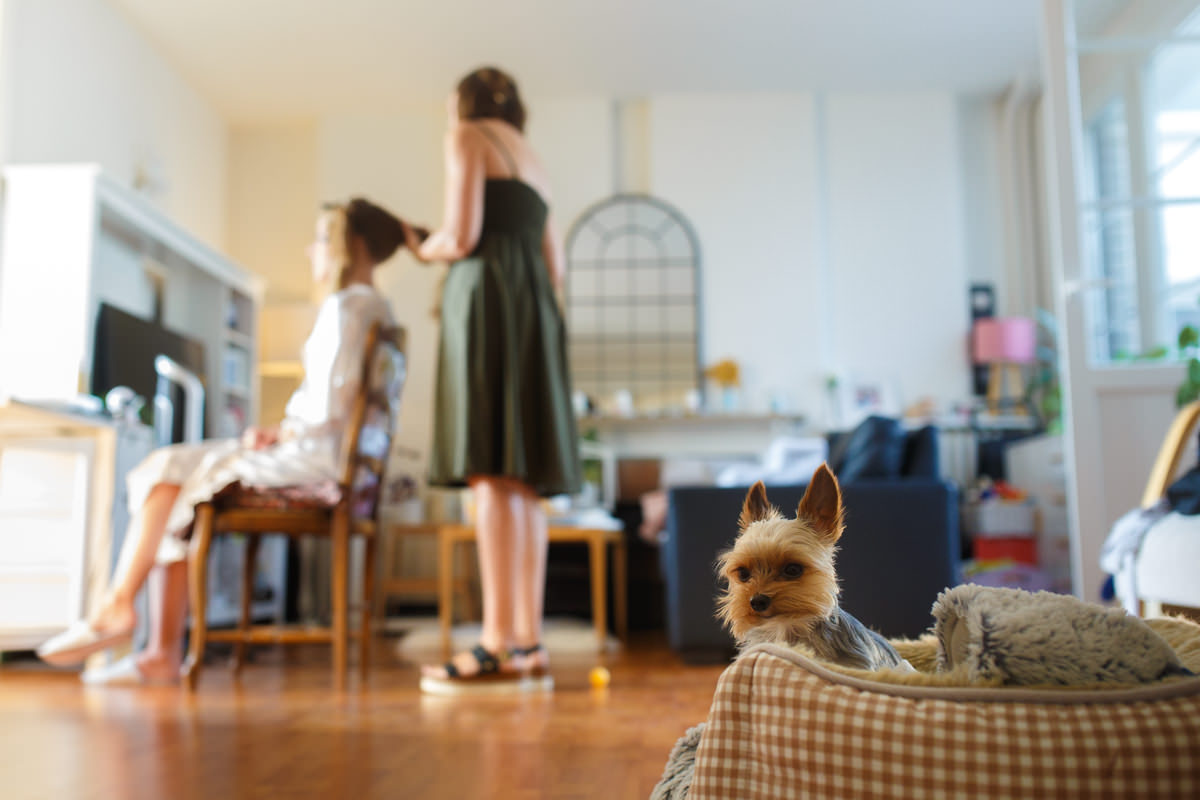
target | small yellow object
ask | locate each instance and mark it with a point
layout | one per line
(726, 373)
(599, 677)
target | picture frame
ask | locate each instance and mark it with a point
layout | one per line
(855, 399)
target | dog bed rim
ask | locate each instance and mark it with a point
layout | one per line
(1163, 690)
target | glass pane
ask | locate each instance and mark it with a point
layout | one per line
(1181, 242)
(583, 320)
(648, 320)
(1111, 300)
(581, 283)
(1174, 103)
(647, 282)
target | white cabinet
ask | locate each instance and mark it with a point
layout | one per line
(73, 239)
(60, 500)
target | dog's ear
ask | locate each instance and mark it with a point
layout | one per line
(756, 506)
(821, 505)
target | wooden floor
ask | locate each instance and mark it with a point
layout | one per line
(281, 732)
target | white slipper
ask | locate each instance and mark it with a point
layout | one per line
(78, 642)
(122, 672)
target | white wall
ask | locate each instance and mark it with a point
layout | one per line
(897, 248)
(81, 84)
(272, 205)
(983, 211)
(574, 138)
(742, 169)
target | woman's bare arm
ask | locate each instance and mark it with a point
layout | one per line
(552, 253)
(463, 216)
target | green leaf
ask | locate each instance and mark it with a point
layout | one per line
(1188, 337)
(1186, 394)
(1154, 354)
(1193, 371)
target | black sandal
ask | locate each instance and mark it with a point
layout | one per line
(489, 664)
(538, 671)
(490, 677)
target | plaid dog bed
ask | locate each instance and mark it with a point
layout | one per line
(785, 725)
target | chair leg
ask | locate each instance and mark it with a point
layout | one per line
(202, 530)
(340, 568)
(388, 547)
(445, 585)
(364, 633)
(598, 557)
(248, 564)
(620, 588)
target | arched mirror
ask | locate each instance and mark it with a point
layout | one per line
(633, 305)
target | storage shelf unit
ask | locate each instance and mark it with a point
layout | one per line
(72, 239)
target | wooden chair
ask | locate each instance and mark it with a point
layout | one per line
(1164, 473)
(348, 509)
(392, 582)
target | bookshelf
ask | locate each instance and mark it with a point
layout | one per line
(72, 239)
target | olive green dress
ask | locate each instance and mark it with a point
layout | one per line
(503, 397)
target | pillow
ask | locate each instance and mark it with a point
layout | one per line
(875, 449)
(921, 454)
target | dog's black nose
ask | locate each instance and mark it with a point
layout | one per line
(760, 602)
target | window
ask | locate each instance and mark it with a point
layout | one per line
(1141, 198)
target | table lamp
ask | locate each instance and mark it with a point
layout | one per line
(1004, 344)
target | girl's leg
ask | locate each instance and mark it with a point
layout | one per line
(168, 601)
(116, 612)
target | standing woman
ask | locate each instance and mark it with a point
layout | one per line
(503, 419)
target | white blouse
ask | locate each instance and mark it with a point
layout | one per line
(332, 359)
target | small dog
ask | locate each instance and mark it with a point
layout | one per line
(781, 586)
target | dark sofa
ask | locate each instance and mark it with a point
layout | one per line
(900, 547)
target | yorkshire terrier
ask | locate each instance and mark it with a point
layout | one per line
(781, 586)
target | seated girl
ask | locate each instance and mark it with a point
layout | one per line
(351, 241)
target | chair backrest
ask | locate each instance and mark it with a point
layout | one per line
(373, 419)
(1162, 474)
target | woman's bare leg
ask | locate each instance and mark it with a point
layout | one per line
(116, 612)
(507, 564)
(498, 524)
(168, 601)
(529, 579)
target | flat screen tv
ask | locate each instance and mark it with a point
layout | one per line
(124, 352)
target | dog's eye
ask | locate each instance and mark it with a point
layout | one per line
(743, 574)
(793, 570)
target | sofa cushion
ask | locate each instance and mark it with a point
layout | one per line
(921, 458)
(875, 449)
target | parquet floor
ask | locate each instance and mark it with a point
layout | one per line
(280, 731)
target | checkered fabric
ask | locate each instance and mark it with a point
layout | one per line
(782, 726)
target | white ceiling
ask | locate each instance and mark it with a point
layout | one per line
(260, 60)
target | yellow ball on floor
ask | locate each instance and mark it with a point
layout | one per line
(599, 677)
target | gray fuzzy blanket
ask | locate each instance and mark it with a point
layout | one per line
(1025, 638)
(681, 767)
